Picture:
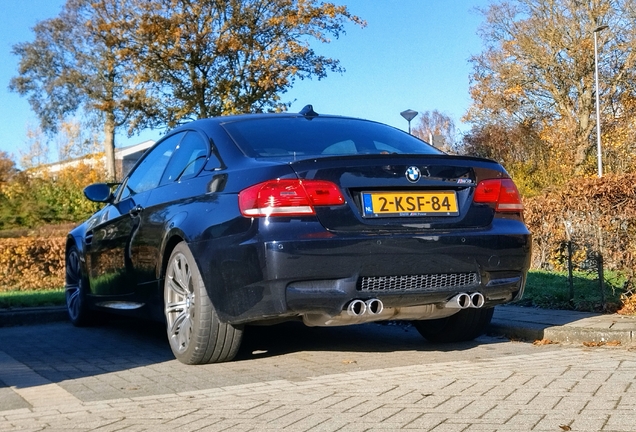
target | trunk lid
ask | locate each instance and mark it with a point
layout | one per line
(402, 192)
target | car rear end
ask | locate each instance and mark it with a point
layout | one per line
(364, 227)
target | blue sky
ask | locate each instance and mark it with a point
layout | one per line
(413, 54)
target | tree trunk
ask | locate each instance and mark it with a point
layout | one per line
(109, 146)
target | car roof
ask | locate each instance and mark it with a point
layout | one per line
(216, 121)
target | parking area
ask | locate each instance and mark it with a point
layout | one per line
(122, 376)
(127, 358)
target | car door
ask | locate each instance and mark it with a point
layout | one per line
(109, 243)
(164, 207)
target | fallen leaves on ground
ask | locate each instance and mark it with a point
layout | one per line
(599, 344)
(544, 342)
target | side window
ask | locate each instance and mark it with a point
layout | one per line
(188, 159)
(148, 173)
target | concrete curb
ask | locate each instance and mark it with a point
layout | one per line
(568, 334)
(563, 326)
(516, 331)
(28, 316)
(561, 334)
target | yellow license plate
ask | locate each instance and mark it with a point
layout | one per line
(438, 203)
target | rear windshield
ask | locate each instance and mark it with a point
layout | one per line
(328, 136)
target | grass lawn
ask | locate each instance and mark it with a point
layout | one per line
(551, 290)
(17, 299)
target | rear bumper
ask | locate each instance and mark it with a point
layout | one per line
(310, 272)
(332, 296)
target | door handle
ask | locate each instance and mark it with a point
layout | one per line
(135, 210)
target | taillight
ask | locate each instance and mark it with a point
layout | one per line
(501, 192)
(288, 197)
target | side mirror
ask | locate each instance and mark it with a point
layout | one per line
(98, 192)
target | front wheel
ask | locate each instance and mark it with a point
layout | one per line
(463, 326)
(196, 334)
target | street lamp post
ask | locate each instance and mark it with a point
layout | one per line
(409, 115)
(599, 158)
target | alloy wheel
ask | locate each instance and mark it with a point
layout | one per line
(73, 286)
(180, 302)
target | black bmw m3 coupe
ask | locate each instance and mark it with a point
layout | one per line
(263, 218)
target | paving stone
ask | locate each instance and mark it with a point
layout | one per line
(485, 386)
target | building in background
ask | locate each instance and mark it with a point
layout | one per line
(125, 159)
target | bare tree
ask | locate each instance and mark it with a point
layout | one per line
(37, 150)
(434, 125)
(75, 140)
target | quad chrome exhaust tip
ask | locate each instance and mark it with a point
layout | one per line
(374, 306)
(477, 300)
(359, 308)
(356, 308)
(460, 301)
(464, 301)
(359, 311)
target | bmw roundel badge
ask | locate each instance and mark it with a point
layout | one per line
(413, 174)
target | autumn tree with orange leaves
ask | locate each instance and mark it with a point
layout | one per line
(133, 64)
(212, 57)
(71, 68)
(537, 73)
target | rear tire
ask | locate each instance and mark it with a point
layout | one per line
(465, 325)
(195, 333)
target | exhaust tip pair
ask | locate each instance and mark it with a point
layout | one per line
(369, 307)
(465, 301)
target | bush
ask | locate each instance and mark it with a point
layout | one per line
(31, 199)
(37, 210)
(32, 263)
(597, 214)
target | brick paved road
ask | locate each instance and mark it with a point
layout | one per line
(374, 377)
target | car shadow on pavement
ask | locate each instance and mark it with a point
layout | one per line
(382, 337)
(126, 357)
